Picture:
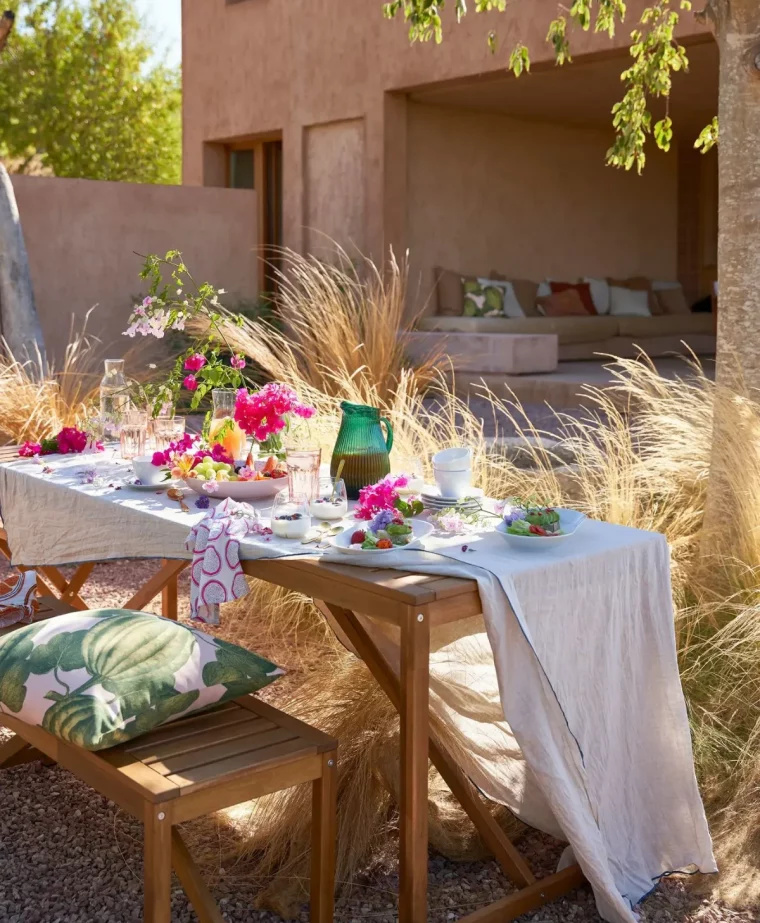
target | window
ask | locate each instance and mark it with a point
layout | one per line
(258, 165)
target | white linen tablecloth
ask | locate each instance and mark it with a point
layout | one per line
(595, 744)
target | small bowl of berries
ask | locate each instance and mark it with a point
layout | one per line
(387, 531)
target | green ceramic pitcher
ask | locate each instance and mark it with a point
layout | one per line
(362, 447)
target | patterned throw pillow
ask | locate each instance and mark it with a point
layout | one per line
(98, 678)
(483, 298)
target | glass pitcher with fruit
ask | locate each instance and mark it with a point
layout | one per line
(223, 430)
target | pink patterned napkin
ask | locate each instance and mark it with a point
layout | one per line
(216, 575)
(18, 601)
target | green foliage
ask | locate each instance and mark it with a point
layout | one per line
(656, 57)
(708, 137)
(80, 97)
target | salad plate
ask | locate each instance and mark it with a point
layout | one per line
(418, 530)
(569, 522)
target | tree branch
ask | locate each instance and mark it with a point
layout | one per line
(6, 25)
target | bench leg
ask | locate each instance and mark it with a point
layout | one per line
(157, 865)
(195, 887)
(323, 836)
(12, 751)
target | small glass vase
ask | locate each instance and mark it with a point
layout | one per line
(114, 398)
(223, 428)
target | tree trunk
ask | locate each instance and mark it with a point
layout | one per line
(738, 34)
(19, 324)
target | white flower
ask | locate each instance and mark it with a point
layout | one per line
(222, 291)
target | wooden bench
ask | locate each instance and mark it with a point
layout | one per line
(193, 766)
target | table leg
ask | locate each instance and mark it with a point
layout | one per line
(156, 584)
(415, 654)
(169, 596)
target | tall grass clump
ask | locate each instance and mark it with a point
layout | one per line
(37, 398)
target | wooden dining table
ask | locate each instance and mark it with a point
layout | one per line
(409, 606)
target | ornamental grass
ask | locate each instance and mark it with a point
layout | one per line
(641, 455)
(37, 399)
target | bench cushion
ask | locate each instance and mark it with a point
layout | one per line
(101, 677)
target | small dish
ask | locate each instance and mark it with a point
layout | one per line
(153, 488)
(569, 522)
(420, 531)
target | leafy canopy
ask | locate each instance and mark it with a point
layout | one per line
(655, 52)
(81, 98)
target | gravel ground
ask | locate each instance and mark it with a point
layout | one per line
(70, 856)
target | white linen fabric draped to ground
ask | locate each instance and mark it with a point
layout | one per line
(565, 696)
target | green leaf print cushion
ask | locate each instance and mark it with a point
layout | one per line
(483, 298)
(98, 678)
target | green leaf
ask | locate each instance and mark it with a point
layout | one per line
(62, 652)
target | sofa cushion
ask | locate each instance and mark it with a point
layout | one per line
(449, 292)
(600, 294)
(639, 284)
(672, 300)
(626, 302)
(525, 292)
(583, 289)
(666, 325)
(569, 329)
(567, 303)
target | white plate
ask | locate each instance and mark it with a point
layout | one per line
(239, 490)
(164, 485)
(432, 494)
(342, 542)
(569, 522)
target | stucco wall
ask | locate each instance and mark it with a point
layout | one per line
(82, 238)
(335, 181)
(531, 200)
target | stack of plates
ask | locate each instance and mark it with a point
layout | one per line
(432, 500)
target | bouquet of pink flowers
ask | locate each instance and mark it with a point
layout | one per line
(384, 496)
(266, 413)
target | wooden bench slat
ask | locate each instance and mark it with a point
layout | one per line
(208, 738)
(186, 727)
(226, 770)
(215, 753)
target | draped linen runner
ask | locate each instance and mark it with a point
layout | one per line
(565, 695)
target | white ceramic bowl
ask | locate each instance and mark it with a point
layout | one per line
(454, 484)
(148, 473)
(453, 460)
(342, 541)
(239, 490)
(569, 522)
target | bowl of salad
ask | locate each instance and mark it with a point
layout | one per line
(533, 527)
(387, 532)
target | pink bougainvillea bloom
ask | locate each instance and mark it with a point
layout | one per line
(195, 362)
(379, 496)
(190, 382)
(237, 362)
(30, 449)
(265, 412)
(211, 487)
(71, 440)
(160, 459)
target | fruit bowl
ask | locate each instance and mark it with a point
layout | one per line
(238, 490)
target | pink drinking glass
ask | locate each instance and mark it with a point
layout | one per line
(303, 471)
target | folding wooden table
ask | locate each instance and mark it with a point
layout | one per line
(413, 604)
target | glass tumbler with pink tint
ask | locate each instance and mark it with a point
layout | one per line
(303, 471)
(134, 432)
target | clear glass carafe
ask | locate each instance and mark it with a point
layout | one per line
(114, 398)
(223, 429)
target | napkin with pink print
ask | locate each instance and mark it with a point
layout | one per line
(216, 575)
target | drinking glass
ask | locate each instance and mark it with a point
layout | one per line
(290, 515)
(303, 471)
(166, 430)
(331, 501)
(134, 431)
(114, 398)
